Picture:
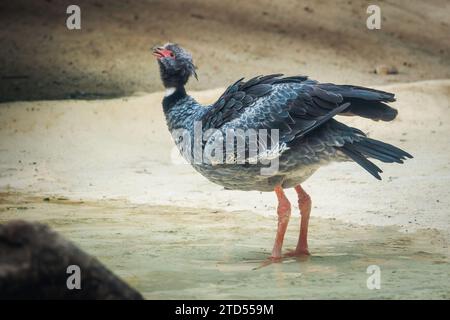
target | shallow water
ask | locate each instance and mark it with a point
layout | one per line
(188, 253)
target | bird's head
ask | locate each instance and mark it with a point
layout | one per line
(175, 65)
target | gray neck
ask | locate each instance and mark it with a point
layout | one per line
(180, 109)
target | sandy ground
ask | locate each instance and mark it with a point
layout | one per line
(106, 175)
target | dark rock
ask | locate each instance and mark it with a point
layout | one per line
(34, 263)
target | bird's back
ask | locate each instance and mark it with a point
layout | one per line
(297, 115)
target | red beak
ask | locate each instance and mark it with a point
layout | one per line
(162, 53)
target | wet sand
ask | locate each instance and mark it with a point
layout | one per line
(169, 252)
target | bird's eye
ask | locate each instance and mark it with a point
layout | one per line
(172, 55)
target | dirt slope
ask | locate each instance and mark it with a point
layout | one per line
(328, 40)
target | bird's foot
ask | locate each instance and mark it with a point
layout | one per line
(269, 261)
(299, 252)
(273, 259)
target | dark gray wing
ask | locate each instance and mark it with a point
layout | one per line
(293, 105)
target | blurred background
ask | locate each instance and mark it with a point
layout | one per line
(110, 56)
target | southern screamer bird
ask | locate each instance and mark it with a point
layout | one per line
(291, 123)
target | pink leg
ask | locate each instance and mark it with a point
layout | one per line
(284, 212)
(304, 204)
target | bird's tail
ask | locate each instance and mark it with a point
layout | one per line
(365, 102)
(359, 151)
(375, 110)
